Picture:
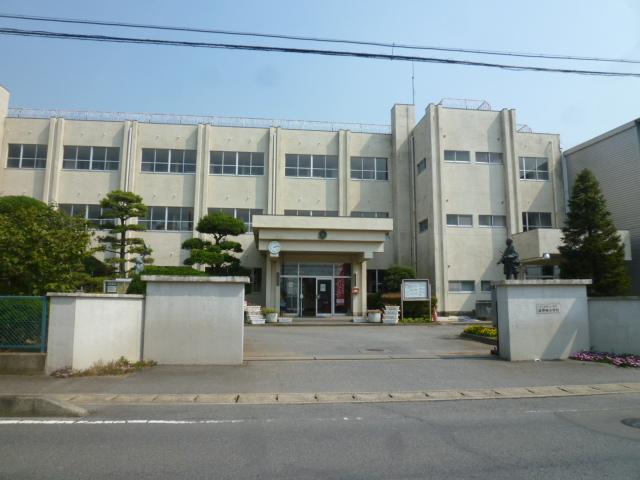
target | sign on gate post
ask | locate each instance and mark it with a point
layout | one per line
(415, 290)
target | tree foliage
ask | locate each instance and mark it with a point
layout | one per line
(41, 249)
(119, 207)
(592, 247)
(217, 256)
(394, 276)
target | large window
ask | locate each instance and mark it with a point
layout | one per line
(457, 220)
(533, 220)
(461, 156)
(495, 221)
(255, 284)
(236, 163)
(370, 214)
(90, 213)
(537, 272)
(27, 156)
(485, 285)
(168, 218)
(311, 213)
(307, 166)
(90, 158)
(462, 286)
(375, 280)
(165, 160)
(244, 214)
(489, 157)
(369, 168)
(534, 168)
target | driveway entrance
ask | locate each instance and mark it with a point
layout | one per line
(359, 342)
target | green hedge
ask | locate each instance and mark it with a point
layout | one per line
(481, 331)
(137, 286)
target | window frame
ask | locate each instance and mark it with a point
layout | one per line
(317, 163)
(364, 214)
(91, 160)
(485, 282)
(233, 211)
(423, 225)
(378, 274)
(94, 223)
(171, 153)
(492, 222)
(526, 224)
(256, 161)
(537, 172)
(148, 221)
(37, 160)
(461, 282)
(377, 174)
(490, 156)
(455, 155)
(458, 215)
(310, 213)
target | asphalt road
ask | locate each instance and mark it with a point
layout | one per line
(560, 438)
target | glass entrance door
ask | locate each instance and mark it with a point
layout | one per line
(308, 297)
(324, 296)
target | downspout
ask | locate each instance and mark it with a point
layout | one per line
(412, 159)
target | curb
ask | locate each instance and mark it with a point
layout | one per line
(298, 398)
(37, 406)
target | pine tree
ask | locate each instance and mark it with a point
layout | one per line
(217, 256)
(592, 247)
(119, 207)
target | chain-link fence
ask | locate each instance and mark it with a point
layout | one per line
(23, 323)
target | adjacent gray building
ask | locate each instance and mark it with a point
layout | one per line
(614, 158)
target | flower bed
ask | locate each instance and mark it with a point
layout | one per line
(623, 360)
(481, 331)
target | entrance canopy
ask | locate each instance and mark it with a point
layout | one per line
(348, 235)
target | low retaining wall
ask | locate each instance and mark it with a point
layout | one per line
(194, 320)
(22, 363)
(85, 328)
(614, 324)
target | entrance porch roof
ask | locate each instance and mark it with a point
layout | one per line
(348, 235)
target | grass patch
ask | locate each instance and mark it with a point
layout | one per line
(122, 366)
(416, 320)
(481, 331)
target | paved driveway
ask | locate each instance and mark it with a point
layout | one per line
(358, 342)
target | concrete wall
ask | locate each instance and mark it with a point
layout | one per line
(88, 328)
(194, 320)
(614, 324)
(542, 319)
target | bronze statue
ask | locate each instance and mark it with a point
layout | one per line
(511, 261)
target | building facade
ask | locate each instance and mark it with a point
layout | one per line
(614, 158)
(328, 207)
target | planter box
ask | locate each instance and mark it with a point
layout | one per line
(374, 317)
(272, 317)
(285, 320)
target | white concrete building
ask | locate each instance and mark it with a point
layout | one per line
(341, 202)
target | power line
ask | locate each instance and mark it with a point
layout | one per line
(318, 39)
(308, 51)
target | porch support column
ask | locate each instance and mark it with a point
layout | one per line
(359, 300)
(272, 289)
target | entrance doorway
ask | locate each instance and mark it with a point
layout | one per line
(311, 290)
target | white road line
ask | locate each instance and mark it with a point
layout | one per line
(29, 421)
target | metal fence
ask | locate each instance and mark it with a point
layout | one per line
(23, 323)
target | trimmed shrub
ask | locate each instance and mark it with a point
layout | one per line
(481, 331)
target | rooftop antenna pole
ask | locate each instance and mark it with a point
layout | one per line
(413, 85)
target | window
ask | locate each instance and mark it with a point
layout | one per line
(244, 214)
(462, 286)
(311, 213)
(456, 220)
(236, 163)
(164, 160)
(168, 219)
(533, 220)
(307, 166)
(485, 285)
(539, 272)
(27, 156)
(422, 165)
(255, 283)
(90, 158)
(375, 280)
(370, 214)
(495, 221)
(534, 168)
(423, 226)
(369, 168)
(456, 156)
(489, 157)
(90, 213)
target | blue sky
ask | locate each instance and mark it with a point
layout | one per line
(52, 73)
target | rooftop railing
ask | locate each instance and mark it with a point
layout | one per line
(218, 121)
